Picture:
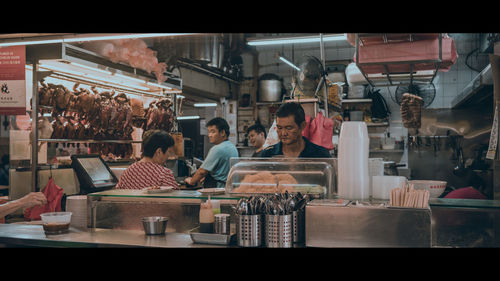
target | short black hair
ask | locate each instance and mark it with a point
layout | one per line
(154, 139)
(292, 108)
(220, 123)
(258, 128)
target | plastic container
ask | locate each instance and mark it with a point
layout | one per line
(356, 115)
(206, 217)
(382, 185)
(353, 173)
(56, 222)
(356, 92)
(215, 206)
(313, 176)
(354, 75)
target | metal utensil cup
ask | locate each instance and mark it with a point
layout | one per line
(299, 226)
(249, 230)
(154, 225)
(279, 231)
(222, 224)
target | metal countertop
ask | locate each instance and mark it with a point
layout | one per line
(31, 235)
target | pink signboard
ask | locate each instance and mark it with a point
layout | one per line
(12, 80)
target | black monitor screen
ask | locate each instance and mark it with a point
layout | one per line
(93, 173)
(96, 169)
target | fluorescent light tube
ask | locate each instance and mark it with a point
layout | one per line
(209, 104)
(187, 117)
(296, 40)
(102, 80)
(289, 63)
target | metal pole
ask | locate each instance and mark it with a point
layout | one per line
(325, 90)
(34, 127)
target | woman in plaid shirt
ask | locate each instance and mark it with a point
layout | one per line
(150, 170)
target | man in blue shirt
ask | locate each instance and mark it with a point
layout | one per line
(215, 168)
(290, 122)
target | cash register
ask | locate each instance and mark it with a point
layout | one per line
(93, 173)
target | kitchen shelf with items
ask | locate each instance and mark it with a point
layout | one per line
(362, 111)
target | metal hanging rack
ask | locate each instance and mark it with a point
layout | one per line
(390, 79)
(65, 53)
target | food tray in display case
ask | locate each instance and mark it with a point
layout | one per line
(250, 176)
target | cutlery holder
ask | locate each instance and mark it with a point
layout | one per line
(249, 230)
(279, 231)
(299, 229)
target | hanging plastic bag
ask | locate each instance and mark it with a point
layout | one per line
(272, 136)
(54, 194)
(321, 131)
(307, 130)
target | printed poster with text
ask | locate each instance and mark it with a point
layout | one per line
(12, 80)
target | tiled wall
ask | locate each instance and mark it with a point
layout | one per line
(448, 84)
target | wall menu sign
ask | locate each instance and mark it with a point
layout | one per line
(12, 80)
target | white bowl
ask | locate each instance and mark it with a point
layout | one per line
(435, 188)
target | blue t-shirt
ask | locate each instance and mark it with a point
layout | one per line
(217, 161)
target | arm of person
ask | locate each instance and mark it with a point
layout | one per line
(198, 175)
(208, 165)
(30, 200)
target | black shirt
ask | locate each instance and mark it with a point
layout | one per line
(311, 150)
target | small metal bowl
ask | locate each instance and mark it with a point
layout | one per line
(154, 225)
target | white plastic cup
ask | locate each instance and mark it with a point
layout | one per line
(382, 185)
(353, 173)
(215, 206)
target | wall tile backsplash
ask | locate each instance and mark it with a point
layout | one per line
(448, 84)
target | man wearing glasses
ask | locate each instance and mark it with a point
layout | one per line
(290, 122)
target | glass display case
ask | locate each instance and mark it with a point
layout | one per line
(314, 176)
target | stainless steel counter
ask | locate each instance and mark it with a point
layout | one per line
(32, 235)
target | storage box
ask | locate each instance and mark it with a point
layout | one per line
(333, 223)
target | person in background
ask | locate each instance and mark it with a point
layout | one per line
(257, 137)
(28, 201)
(150, 170)
(290, 122)
(4, 170)
(214, 170)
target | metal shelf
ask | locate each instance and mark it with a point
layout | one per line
(479, 89)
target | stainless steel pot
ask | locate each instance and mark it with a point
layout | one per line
(270, 90)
